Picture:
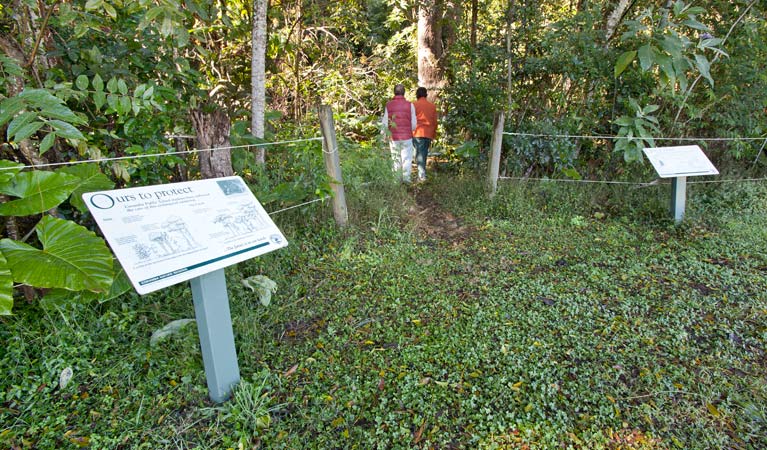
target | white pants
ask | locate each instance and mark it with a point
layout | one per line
(402, 157)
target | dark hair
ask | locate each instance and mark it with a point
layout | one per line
(399, 90)
(420, 92)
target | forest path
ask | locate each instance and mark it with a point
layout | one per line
(432, 220)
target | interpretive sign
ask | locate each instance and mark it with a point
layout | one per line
(678, 163)
(166, 234)
(683, 161)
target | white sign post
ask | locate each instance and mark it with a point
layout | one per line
(166, 234)
(678, 163)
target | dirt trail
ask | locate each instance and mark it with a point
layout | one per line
(433, 221)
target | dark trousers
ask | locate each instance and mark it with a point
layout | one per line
(421, 145)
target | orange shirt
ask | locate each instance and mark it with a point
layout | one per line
(426, 116)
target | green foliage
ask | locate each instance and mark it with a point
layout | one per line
(37, 191)
(71, 258)
(635, 132)
(544, 324)
(6, 286)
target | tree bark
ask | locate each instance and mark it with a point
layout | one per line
(258, 75)
(213, 142)
(431, 65)
(510, 14)
(474, 13)
(613, 20)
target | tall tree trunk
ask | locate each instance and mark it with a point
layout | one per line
(509, 56)
(258, 75)
(297, 64)
(431, 65)
(474, 13)
(213, 139)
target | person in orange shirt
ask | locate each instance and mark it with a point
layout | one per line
(425, 130)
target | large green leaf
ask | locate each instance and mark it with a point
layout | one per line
(8, 170)
(91, 179)
(72, 258)
(9, 107)
(704, 67)
(623, 61)
(38, 191)
(63, 297)
(646, 57)
(6, 287)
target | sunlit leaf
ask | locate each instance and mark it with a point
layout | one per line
(72, 258)
(623, 62)
(90, 178)
(646, 57)
(8, 170)
(82, 82)
(65, 130)
(37, 191)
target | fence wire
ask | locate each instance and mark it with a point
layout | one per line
(154, 155)
(573, 136)
(586, 136)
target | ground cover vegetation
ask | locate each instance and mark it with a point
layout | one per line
(552, 315)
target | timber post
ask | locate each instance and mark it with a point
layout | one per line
(495, 153)
(333, 165)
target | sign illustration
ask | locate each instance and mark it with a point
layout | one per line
(166, 234)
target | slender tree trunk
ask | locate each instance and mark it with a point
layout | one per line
(213, 133)
(474, 13)
(297, 65)
(509, 55)
(258, 75)
(614, 19)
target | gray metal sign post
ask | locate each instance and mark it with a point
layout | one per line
(678, 198)
(214, 325)
(166, 234)
(678, 163)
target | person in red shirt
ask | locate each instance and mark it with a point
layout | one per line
(425, 130)
(399, 120)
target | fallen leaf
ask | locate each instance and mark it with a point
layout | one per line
(419, 433)
(713, 410)
(290, 371)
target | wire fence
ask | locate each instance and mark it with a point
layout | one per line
(299, 205)
(586, 136)
(630, 183)
(163, 154)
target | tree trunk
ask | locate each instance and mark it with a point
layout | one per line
(297, 65)
(213, 133)
(614, 19)
(258, 75)
(509, 56)
(474, 13)
(431, 65)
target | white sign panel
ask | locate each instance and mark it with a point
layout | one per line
(166, 234)
(684, 161)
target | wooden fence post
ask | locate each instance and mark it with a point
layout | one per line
(495, 155)
(333, 165)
